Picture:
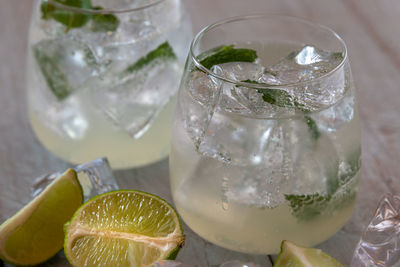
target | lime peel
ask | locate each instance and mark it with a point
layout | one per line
(34, 234)
(138, 247)
(292, 255)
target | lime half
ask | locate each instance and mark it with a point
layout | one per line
(292, 255)
(123, 228)
(35, 233)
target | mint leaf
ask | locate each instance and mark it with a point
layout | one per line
(164, 51)
(225, 54)
(278, 97)
(70, 19)
(104, 22)
(312, 127)
(55, 78)
(306, 207)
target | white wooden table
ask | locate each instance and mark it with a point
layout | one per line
(371, 30)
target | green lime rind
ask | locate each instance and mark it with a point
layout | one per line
(69, 226)
(292, 255)
(35, 233)
(226, 54)
(163, 51)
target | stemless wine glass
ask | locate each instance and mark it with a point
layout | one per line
(266, 136)
(103, 76)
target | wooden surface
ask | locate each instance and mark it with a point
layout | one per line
(369, 27)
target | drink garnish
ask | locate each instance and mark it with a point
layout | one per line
(123, 228)
(163, 51)
(292, 255)
(35, 233)
(228, 53)
(53, 75)
(71, 19)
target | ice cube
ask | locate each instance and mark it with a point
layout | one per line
(132, 99)
(306, 64)
(380, 242)
(198, 103)
(332, 118)
(65, 64)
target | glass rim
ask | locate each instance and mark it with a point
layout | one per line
(103, 11)
(259, 16)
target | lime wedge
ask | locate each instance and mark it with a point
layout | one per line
(292, 255)
(35, 233)
(123, 228)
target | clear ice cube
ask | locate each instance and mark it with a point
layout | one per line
(380, 242)
(65, 64)
(306, 64)
(95, 177)
(133, 99)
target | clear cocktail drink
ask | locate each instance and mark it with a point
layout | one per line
(266, 139)
(102, 77)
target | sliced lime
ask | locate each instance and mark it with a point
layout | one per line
(35, 233)
(123, 228)
(292, 255)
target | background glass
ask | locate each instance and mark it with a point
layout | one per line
(102, 77)
(248, 172)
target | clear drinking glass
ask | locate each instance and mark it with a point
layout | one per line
(103, 76)
(266, 136)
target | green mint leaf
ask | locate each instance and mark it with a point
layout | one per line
(163, 51)
(312, 127)
(54, 76)
(69, 18)
(225, 54)
(104, 22)
(306, 207)
(276, 97)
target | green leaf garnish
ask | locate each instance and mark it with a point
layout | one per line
(54, 76)
(278, 97)
(312, 127)
(163, 51)
(69, 18)
(225, 54)
(104, 22)
(306, 207)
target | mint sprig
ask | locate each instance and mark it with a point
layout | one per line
(54, 76)
(225, 54)
(312, 127)
(104, 22)
(100, 22)
(306, 207)
(163, 51)
(68, 18)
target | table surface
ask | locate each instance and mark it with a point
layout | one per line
(369, 27)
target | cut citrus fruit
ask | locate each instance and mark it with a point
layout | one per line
(292, 255)
(35, 233)
(123, 228)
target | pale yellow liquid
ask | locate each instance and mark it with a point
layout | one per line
(103, 138)
(199, 184)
